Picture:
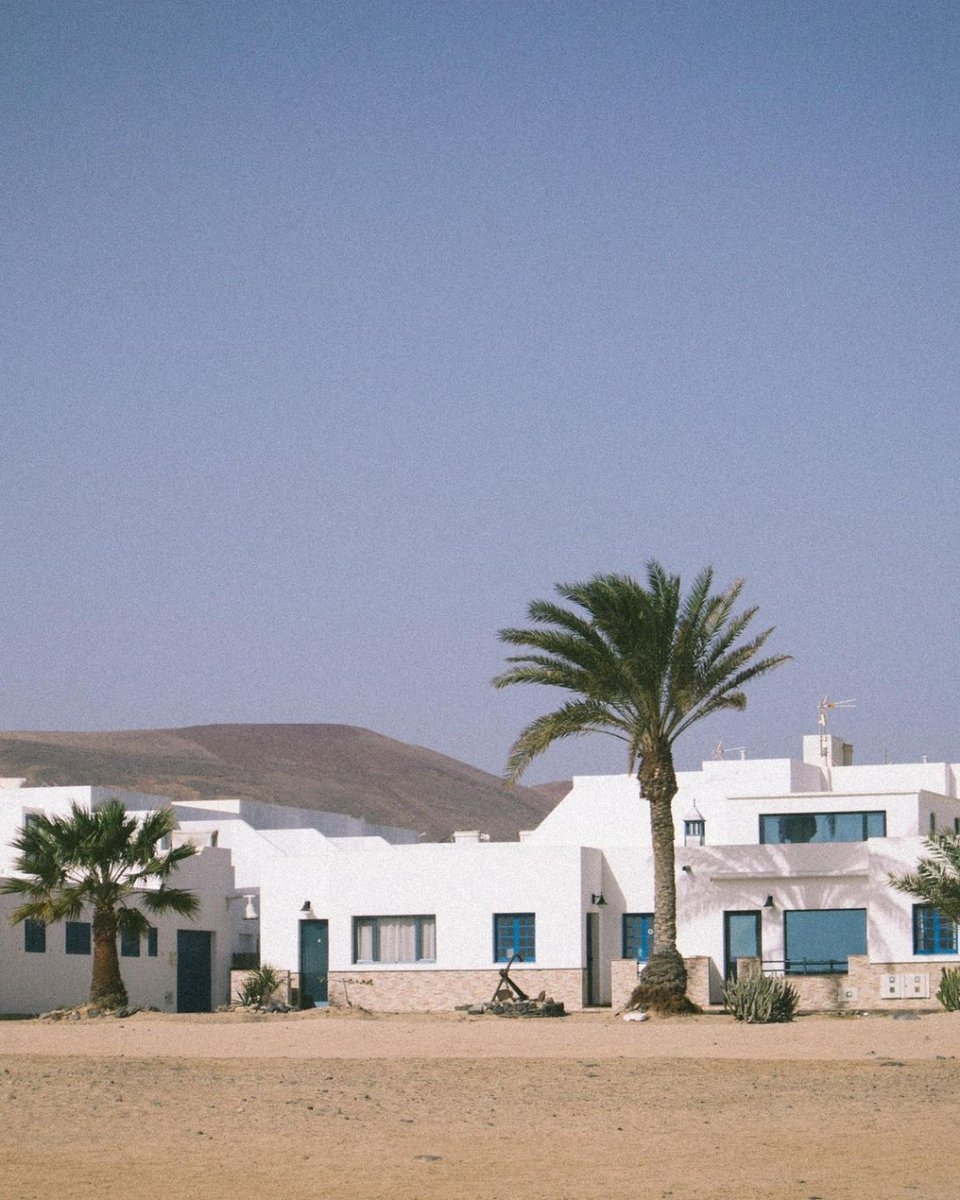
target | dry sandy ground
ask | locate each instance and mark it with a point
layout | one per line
(346, 1105)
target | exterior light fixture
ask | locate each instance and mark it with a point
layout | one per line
(249, 909)
(768, 903)
(687, 869)
(597, 899)
(306, 909)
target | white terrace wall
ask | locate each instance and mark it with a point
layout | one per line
(15, 803)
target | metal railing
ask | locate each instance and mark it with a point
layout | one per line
(804, 966)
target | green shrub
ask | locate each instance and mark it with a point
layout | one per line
(259, 986)
(760, 999)
(948, 992)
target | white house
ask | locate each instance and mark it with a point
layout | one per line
(184, 964)
(780, 860)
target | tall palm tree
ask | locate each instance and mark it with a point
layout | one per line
(644, 664)
(108, 863)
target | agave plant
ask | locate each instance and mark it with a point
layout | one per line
(759, 999)
(259, 986)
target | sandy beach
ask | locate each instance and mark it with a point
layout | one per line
(227, 1106)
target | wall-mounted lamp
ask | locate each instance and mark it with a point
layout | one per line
(249, 909)
(597, 899)
(687, 869)
(768, 903)
(306, 909)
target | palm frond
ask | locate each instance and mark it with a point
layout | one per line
(647, 661)
(574, 719)
(936, 878)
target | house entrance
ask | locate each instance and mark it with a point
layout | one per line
(591, 989)
(741, 939)
(194, 961)
(313, 963)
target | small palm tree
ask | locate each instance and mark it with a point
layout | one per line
(937, 877)
(106, 862)
(644, 665)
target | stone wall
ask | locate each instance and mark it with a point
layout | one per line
(438, 991)
(866, 984)
(862, 987)
(623, 979)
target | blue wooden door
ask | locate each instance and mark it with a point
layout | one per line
(313, 963)
(194, 963)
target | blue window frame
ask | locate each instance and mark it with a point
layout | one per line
(514, 934)
(129, 944)
(820, 940)
(395, 939)
(34, 937)
(933, 933)
(790, 828)
(637, 935)
(152, 942)
(77, 937)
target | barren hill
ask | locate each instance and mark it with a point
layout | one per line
(338, 768)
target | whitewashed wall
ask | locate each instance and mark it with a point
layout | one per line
(463, 886)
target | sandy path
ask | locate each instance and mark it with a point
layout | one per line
(169, 1108)
(331, 1034)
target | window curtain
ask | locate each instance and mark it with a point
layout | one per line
(398, 939)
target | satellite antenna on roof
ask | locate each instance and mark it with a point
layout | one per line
(826, 704)
(721, 751)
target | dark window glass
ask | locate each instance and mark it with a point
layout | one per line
(791, 828)
(637, 935)
(34, 937)
(694, 832)
(819, 941)
(78, 937)
(933, 933)
(514, 934)
(129, 944)
(152, 942)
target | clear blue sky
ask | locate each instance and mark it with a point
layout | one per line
(333, 333)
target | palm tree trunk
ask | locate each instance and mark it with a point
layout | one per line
(663, 982)
(106, 985)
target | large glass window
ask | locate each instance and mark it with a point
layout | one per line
(819, 941)
(514, 934)
(34, 937)
(933, 933)
(637, 935)
(394, 939)
(78, 937)
(785, 828)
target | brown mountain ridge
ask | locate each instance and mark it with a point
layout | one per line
(336, 768)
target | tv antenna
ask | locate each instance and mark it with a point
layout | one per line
(721, 751)
(827, 705)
